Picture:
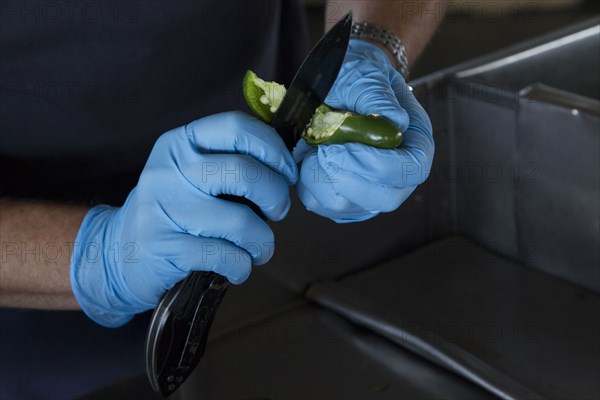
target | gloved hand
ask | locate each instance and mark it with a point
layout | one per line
(172, 222)
(354, 182)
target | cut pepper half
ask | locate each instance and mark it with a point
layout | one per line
(327, 126)
(263, 98)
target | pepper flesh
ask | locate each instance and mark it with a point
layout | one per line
(327, 126)
(263, 98)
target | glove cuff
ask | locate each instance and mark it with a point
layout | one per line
(369, 51)
(94, 283)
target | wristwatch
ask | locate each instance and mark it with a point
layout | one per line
(380, 35)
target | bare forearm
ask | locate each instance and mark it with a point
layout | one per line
(413, 21)
(36, 243)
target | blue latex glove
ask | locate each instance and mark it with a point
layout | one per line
(172, 222)
(354, 182)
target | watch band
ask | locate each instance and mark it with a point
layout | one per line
(378, 34)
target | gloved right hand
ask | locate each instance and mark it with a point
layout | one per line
(172, 223)
(353, 182)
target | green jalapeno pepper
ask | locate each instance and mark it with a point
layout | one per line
(262, 97)
(327, 126)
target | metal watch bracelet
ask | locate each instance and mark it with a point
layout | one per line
(380, 35)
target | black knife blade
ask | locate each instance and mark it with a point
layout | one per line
(312, 82)
(180, 324)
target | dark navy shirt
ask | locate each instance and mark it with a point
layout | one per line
(86, 87)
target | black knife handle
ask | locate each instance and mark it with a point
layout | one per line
(179, 329)
(244, 201)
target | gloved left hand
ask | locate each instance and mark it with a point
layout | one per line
(354, 182)
(174, 222)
